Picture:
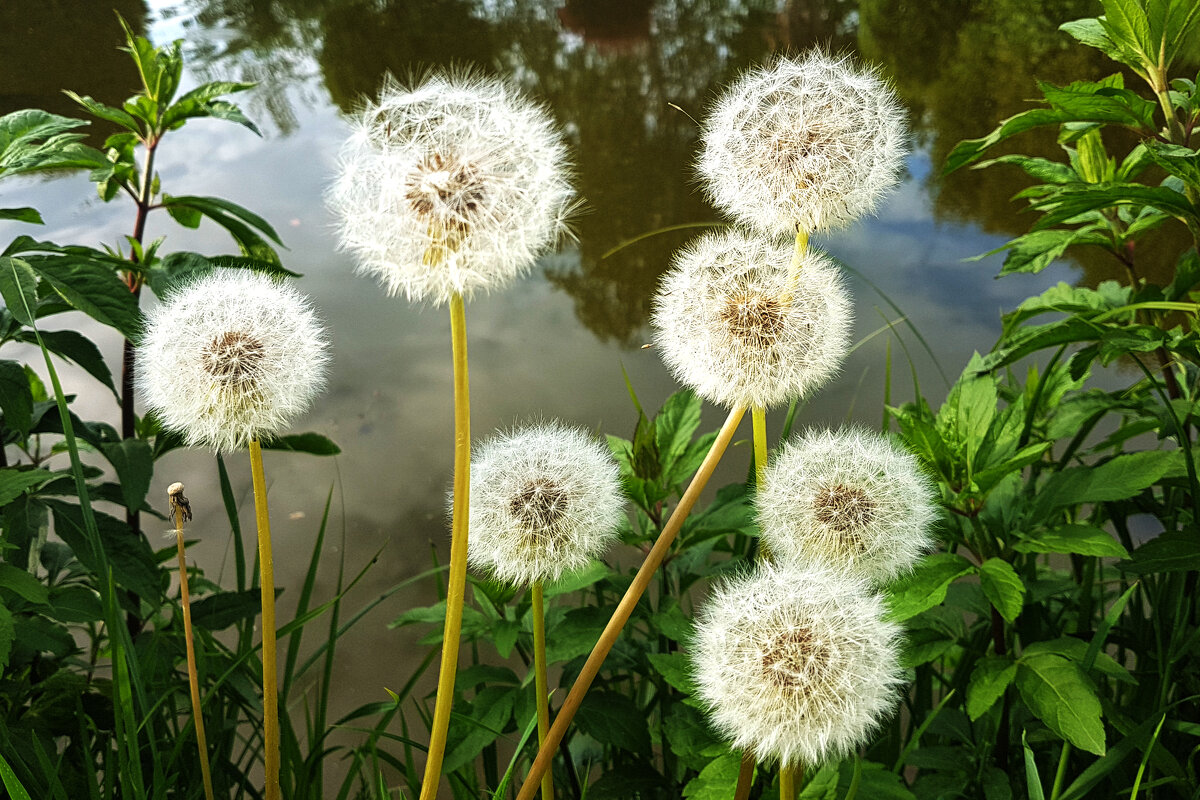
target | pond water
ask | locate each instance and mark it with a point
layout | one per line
(555, 343)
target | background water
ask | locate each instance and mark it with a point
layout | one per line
(554, 344)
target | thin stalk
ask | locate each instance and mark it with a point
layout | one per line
(266, 570)
(745, 776)
(458, 552)
(1060, 774)
(193, 679)
(625, 608)
(787, 783)
(758, 415)
(541, 685)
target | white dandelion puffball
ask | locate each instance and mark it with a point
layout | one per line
(545, 500)
(850, 500)
(811, 143)
(795, 664)
(450, 187)
(231, 357)
(735, 325)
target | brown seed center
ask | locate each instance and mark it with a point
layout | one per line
(445, 191)
(540, 506)
(753, 319)
(793, 659)
(847, 510)
(232, 357)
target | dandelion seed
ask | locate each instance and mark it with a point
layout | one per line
(545, 500)
(231, 357)
(812, 143)
(731, 323)
(795, 665)
(850, 500)
(450, 187)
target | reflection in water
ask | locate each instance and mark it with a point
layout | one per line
(46, 47)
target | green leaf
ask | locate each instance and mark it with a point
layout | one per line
(32, 140)
(1126, 24)
(24, 585)
(875, 781)
(1083, 540)
(823, 785)
(690, 737)
(312, 443)
(1089, 31)
(490, 713)
(581, 578)
(130, 557)
(1002, 587)
(925, 587)
(217, 612)
(16, 398)
(93, 289)
(1116, 479)
(1079, 651)
(76, 347)
(576, 634)
(7, 634)
(97, 109)
(991, 676)
(1182, 162)
(14, 482)
(25, 214)
(134, 463)
(675, 669)
(1033, 781)
(204, 101)
(18, 287)
(674, 427)
(1173, 23)
(243, 225)
(1167, 552)
(1058, 693)
(715, 781)
(1036, 250)
(75, 603)
(1069, 202)
(614, 719)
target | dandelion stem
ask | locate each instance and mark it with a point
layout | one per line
(458, 552)
(625, 608)
(541, 685)
(745, 776)
(758, 415)
(787, 783)
(193, 680)
(266, 571)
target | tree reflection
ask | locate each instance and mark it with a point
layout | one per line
(48, 47)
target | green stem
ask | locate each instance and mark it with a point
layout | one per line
(266, 571)
(1060, 774)
(193, 679)
(625, 608)
(541, 685)
(758, 415)
(458, 552)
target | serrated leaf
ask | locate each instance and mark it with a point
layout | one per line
(1089, 31)
(490, 713)
(1002, 587)
(716, 780)
(18, 287)
(130, 557)
(1083, 540)
(578, 580)
(674, 426)
(614, 719)
(1116, 479)
(134, 464)
(1069, 202)
(76, 347)
(1167, 552)
(576, 634)
(23, 585)
(93, 289)
(1058, 693)
(991, 676)
(15, 482)
(1126, 24)
(675, 669)
(16, 398)
(925, 587)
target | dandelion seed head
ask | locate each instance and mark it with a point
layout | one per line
(849, 500)
(545, 500)
(732, 323)
(795, 664)
(451, 186)
(813, 143)
(230, 357)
